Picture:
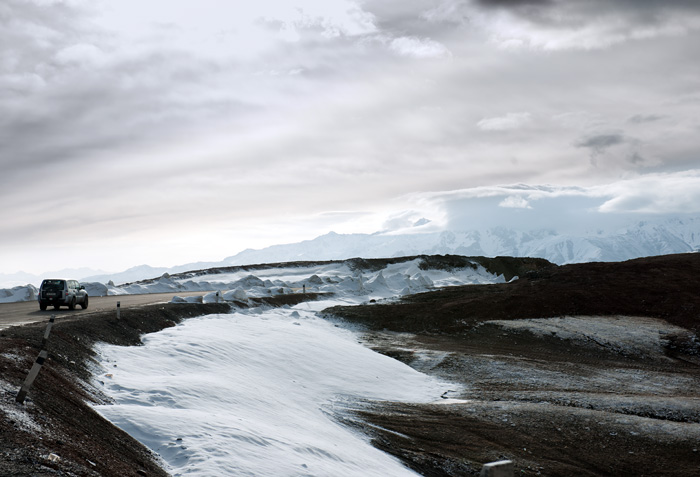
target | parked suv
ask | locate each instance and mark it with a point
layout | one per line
(60, 292)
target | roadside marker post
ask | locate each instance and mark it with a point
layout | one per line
(502, 468)
(33, 373)
(36, 367)
(118, 310)
(45, 339)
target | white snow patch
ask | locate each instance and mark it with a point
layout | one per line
(238, 294)
(632, 335)
(453, 401)
(247, 394)
(17, 412)
(19, 293)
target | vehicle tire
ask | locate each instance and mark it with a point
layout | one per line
(71, 305)
(42, 306)
(84, 304)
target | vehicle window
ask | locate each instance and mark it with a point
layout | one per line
(53, 284)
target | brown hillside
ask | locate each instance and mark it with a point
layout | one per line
(661, 287)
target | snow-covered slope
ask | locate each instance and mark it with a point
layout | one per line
(261, 391)
(256, 392)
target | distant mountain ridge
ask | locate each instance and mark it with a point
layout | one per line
(640, 239)
(645, 238)
(23, 278)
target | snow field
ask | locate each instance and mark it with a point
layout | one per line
(634, 335)
(254, 394)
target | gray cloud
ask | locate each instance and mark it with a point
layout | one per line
(164, 129)
(642, 118)
(599, 143)
(563, 208)
(648, 9)
(513, 3)
(584, 24)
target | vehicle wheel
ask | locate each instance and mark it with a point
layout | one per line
(56, 307)
(42, 306)
(84, 304)
(71, 305)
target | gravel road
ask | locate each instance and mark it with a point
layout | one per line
(12, 314)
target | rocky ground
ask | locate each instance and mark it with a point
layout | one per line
(589, 369)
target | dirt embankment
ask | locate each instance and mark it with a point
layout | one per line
(661, 287)
(56, 432)
(506, 266)
(590, 369)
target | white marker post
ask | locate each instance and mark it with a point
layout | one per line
(502, 468)
(45, 340)
(33, 373)
(118, 310)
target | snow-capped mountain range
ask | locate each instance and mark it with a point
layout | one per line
(645, 238)
(640, 239)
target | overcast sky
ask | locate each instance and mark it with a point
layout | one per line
(171, 131)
